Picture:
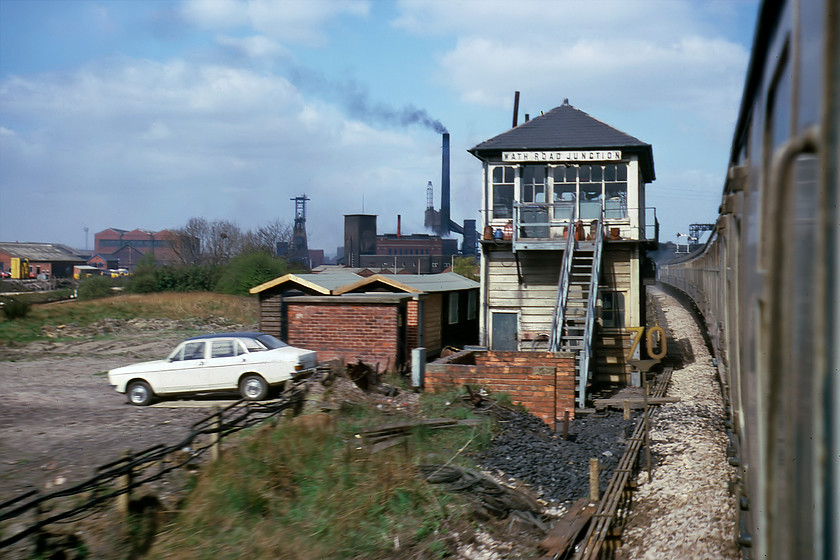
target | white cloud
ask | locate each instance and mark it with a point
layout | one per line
(144, 144)
(301, 22)
(294, 22)
(256, 46)
(215, 14)
(658, 56)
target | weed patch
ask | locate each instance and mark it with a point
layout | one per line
(299, 491)
(177, 306)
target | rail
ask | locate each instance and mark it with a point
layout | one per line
(120, 477)
(617, 499)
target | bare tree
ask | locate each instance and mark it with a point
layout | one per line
(216, 242)
(187, 241)
(224, 242)
(267, 237)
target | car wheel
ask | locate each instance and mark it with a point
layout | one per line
(253, 388)
(139, 393)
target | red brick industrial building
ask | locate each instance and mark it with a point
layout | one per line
(128, 247)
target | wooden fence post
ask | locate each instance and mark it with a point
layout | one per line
(124, 482)
(565, 424)
(594, 483)
(39, 536)
(216, 436)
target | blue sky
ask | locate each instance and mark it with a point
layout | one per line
(135, 114)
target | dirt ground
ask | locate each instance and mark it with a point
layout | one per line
(60, 419)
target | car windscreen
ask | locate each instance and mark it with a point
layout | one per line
(188, 351)
(271, 342)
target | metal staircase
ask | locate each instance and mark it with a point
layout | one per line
(573, 325)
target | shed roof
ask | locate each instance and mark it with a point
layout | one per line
(323, 283)
(41, 252)
(566, 127)
(340, 282)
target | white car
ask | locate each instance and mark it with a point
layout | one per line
(249, 362)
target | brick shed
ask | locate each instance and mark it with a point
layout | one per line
(355, 327)
(543, 382)
(434, 311)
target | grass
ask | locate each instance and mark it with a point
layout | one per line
(184, 306)
(295, 492)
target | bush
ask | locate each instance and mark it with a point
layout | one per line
(251, 269)
(191, 278)
(95, 287)
(15, 308)
(142, 280)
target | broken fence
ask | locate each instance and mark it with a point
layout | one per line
(117, 480)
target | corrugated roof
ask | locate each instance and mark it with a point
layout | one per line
(443, 282)
(40, 252)
(567, 128)
(415, 283)
(323, 283)
(340, 282)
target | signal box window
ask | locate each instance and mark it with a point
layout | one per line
(612, 309)
(503, 184)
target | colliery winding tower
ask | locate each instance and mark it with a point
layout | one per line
(299, 247)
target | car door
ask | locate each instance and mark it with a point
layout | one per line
(226, 363)
(186, 369)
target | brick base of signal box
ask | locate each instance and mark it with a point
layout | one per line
(542, 382)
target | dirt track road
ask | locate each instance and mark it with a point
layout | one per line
(59, 418)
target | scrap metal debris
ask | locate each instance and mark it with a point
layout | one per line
(387, 435)
(491, 497)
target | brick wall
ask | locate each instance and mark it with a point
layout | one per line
(413, 331)
(351, 332)
(543, 382)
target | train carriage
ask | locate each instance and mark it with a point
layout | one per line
(767, 284)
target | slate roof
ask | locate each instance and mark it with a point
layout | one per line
(41, 252)
(567, 128)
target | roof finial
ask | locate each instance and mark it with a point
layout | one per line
(565, 101)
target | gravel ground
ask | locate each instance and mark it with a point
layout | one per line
(686, 511)
(60, 418)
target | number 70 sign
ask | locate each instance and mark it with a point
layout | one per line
(655, 338)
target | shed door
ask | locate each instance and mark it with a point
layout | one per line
(504, 331)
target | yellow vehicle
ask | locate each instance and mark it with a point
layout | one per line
(20, 268)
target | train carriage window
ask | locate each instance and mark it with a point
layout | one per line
(809, 85)
(779, 104)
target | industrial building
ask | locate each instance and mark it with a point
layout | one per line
(38, 260)
(127, 247)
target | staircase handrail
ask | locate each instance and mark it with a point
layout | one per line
(589, 325)
(563, 285)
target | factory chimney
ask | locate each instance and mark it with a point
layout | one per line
(444, 189)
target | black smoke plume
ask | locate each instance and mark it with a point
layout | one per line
(356, 101)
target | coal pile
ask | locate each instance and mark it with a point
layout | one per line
(528, 450)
